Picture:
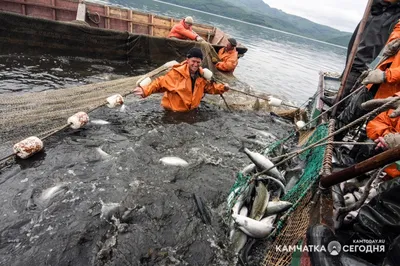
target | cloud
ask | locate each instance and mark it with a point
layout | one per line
(339, 14)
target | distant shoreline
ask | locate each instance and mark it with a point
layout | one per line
(249, 23)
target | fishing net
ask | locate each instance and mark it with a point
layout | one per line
(290, 231)
(40, 113)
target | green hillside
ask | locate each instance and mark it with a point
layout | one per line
(258, 12)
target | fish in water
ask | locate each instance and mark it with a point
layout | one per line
(99, 122)
(269, 220)
(251, 227)
(240, 201)
(251, 168)
(350, 216)
(349, 199)
(53, 191)
(275, 207)
(338, 203)
(203, 209)
(109, 210)
(263, 163)
(175, 161)
(260, 202)
(244, 211)
(237, 237)
(103, 154)
(292, 176)
(278, 182)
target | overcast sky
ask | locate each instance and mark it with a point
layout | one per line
(339, 14)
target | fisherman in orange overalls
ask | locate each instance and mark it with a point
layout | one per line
(184, 85)
(183, 30)
(384, 129)
(228, 56)
(380, 83)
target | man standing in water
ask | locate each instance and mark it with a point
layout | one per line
(184, 85)
(228, 56)
(183, 30)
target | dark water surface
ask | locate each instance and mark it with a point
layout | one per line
(161, 225)
(51, 211)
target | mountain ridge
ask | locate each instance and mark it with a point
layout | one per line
(258, 12)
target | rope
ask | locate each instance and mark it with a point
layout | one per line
(372, 113)
(325, 143)
(313, 120)
(92, 19)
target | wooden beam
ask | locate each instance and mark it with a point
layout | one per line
(151, 25)
(23, 3)
(352, 55)
(130, 25)
(23, 9)
(81, 12)
(107, 17)
(375, 162)
(53, 4)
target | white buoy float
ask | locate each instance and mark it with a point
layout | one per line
(115, 100)
(207, 74)
(28, 147)
(274, 101)
(145, 82)
(300, 124)
(78, 120)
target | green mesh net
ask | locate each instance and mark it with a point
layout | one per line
(314, 158)
(242, 182)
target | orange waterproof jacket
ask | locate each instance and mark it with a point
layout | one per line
(229, 60)
(380, 126)
(391, 66)
(179, 31)
(177, 86)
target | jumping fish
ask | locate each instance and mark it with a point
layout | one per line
(263, 163)
(175, 161)
(275, 207)
(251, 227)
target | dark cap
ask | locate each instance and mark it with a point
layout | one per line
(195, 52)
(232, 41)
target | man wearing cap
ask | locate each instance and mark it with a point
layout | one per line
(184, 85)
(183, 30)
(228, 56)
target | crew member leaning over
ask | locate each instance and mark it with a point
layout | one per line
(183, 30)
(384, 129)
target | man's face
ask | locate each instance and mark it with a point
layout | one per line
(186, 25)
(194, 64)
(229, 46)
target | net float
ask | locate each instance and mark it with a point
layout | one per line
(115, 100)
(78, 120)
(28, 147)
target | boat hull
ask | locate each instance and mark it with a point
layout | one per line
(110, 18)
